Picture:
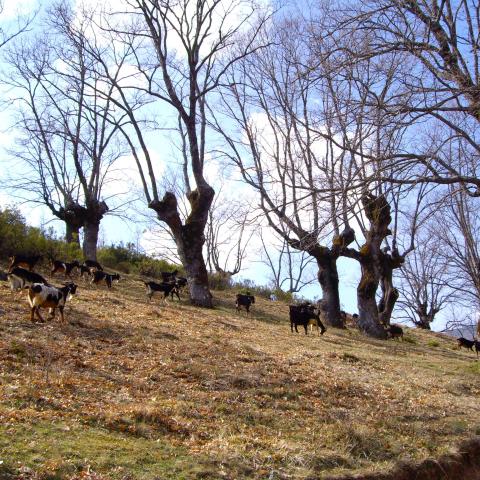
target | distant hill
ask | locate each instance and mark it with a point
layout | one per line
(466, 331)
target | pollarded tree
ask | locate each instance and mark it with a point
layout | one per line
(180, 53)
(281, 153)
(69, 131)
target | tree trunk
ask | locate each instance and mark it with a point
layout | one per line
(190, 238)
(389, 292)
(368, 320)
(328, 279)
(190, 250)
(72, 233)
(372, 262)
(424, 322)
(90, 239)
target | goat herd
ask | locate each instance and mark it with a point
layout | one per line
(41, 294)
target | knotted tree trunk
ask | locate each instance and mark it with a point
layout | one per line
(190, 238)
(94, 212)
(389, 293)
(374, 262)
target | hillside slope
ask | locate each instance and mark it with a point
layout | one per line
(131, 389)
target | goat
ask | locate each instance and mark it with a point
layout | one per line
(40, 295)
(98, 276)
(93, 265)
(167, 289)
(20, 278)
(28, 261)
(304, 314)
(395, 331)
(84, 269)
(181, 282)
(463, 342)
(169, 276)
(244, 300)
(67, 268)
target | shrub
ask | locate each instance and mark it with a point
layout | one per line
(219, 281)
(17, 237)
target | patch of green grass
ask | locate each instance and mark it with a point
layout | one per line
(18, 349)
(56, 451)
(473, 367)
(433, 343)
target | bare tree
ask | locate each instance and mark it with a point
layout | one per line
(438, 79)
(69, 132)
(282, 157)
(12, 28)
(458, 232)
(290, 270)
(181, 51)
(228, 233)
(424, 282)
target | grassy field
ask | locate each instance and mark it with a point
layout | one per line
(135, 390)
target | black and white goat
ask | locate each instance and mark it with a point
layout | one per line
(65, 267)
(46, 296)
(20, 278)
(166, 288)
(98, 276)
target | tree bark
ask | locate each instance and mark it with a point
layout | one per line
(389, 292)
(190, 250)
(90, 239)
(328, 279)
(93, 215)
(424, 322)
(190, 238)
(372, 262)
(368, 318)
(72, 233)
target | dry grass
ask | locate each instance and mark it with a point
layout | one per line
(131, 389)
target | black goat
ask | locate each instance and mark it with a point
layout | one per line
(99, 276)
(245, 301)
(86, 270)
(181, 282)
(305, 314)
(93, 265)
(28, 261)
(166, 288)
(169, 276)
(395, 331)
(20, 278)
(463, 342)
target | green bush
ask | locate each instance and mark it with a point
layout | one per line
(16, 237)
(127, 259)
(218, 281)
